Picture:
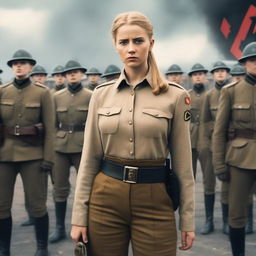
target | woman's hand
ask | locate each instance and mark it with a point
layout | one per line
(78, 232)
(187, 239)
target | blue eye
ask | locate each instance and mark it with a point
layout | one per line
(123, 42)
(138, 41)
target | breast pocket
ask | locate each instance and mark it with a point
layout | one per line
(81, 114)
(32, 112)
(7, 109)
(241, 112)
(214, 110)
(61, 114)
(154, 122)
(109, 119)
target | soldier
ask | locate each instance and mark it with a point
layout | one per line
(237, 72)
(26, 111)
(112, 72)
(174, 74)
(71, 107)
(39, 74)
(93, 76)
(197, 94)
(220, 73)
(59, 78)
(234, 146)
(1, 71)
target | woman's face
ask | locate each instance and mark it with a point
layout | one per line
(133, 45)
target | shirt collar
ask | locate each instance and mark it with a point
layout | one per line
(122, 80)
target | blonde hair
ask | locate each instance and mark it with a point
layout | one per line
(135, 18)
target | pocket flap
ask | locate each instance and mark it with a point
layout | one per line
(239, 143)
(61, 134)
(241, 106)
(82, 108)
(62, 109)
(7, 102)
(33, 105)
(109, 111)
(214, 107)
(157, 113)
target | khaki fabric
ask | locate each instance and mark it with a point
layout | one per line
(26, 107)
(133, 123)
(70, 108)
(120, 212)
(237, 110)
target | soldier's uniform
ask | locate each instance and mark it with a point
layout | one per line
(92, 71)
(58, 70)
(197, 95)
(26, 111)
(210, 107)
(112, 72)
(71, 107)
(130, 126)
(234, 148)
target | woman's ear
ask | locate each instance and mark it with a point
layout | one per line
(152, 42)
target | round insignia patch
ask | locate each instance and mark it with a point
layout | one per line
(187, 115)
(187, 100)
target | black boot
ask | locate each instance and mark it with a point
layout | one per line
(29, 222)
(237, 240)
(5, 236)
(249, 224)
(225, 227)
(209, 206)
(60, 231)
(42, 228)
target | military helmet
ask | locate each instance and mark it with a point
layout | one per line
(111, 70)
(219, 65)
(93, 71)
(237, 69)
(174, 69)
(73, 65)
(58, 70)
(248, 52)
(38, 70)
(21, 55)
(197, 68)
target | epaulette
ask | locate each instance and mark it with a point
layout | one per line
(176, 85)
(60, 91)
(230, 84)
(5, 85)
(105, 84)
(40, 85)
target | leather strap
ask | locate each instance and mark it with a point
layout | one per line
(19, 131)
(134, 174)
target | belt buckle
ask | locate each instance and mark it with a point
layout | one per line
(130, 174)
(16, 130)
(71, 128)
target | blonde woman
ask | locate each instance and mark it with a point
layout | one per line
(133, 124)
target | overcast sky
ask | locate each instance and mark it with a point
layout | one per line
(54, 31)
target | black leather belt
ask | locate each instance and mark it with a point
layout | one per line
(132, 174)
(71, 127)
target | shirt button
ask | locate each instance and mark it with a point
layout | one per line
(131, 140)
(132, 92)
(19, 115)
(130, 122)
(130, 109)
(131, 152)
(108, 113)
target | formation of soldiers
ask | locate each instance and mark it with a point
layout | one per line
(42, 134)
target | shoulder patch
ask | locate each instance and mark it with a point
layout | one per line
(40, 85)
(176, 85)
(105, 84)
(231, 84)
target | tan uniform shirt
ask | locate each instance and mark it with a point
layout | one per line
(133, 123)
(209, 111)
(26, 107)
(70, 109)
(196, 111)
(237, 109)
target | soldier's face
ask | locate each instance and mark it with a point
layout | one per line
(74, 76)
(93, 78)
(40, 78)
(133, 44)
(250, 65)
(176, 78)
(21, 69)
(220, 75)
(237, 78)
(198, 78)
(59, 79)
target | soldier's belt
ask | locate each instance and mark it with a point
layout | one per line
(71, 127)
(241, 133)
(134, 174)
(22, 130)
